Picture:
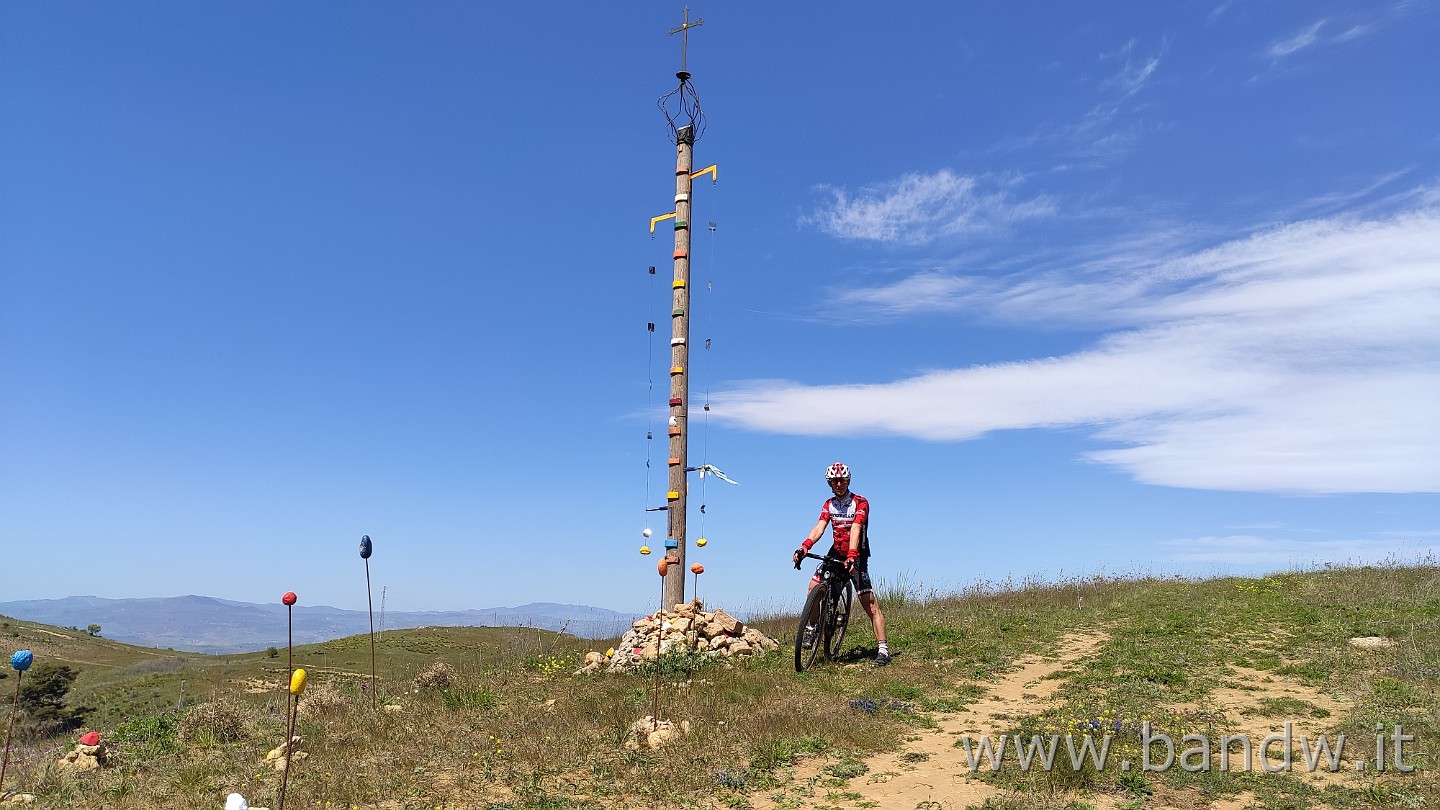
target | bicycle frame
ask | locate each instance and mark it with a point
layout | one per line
(827, 610)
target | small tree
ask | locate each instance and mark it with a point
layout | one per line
(42, 696)
(93, 630)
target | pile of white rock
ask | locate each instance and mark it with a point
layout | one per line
(649, 733)
(716, 634)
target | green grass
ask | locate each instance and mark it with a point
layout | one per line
(516, 730)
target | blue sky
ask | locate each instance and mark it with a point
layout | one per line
(1073, 289)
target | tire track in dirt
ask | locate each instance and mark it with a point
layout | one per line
(929, 771)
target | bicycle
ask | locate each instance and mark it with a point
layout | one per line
(826, 614)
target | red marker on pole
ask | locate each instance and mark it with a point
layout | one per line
(289, 600)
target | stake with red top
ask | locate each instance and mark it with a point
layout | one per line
(289, 600)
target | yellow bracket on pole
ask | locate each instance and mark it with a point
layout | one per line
(710, 170)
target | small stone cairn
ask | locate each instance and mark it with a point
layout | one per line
(280, 756)
(649, 733)
(715, 634)
(90, 754)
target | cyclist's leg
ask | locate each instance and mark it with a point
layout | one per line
(868, 602)
(814, 580)
(872, 609)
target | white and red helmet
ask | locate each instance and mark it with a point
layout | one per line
(837, 471)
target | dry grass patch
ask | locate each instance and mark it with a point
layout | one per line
(223, 720)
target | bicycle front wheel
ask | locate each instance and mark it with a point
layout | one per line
(815, 614)
(839, 620)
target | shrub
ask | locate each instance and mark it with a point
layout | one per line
(323, 702)
(478, 697)
(218, 721)
(147, 736)
(440, 675)
(677, 662)
(43, 697)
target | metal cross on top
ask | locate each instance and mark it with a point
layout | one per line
(684, 32)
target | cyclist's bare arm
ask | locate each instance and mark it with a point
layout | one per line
(817, 532)
(810, 539)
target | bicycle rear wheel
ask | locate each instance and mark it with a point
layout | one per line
(816, 613)
(838, 621)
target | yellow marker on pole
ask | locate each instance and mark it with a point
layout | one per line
(710, 170)
(297, 686)
(659, 219)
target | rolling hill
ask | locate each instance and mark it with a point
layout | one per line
(219, 626)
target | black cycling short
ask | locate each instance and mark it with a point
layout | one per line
(862, 572)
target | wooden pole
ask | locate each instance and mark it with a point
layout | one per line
(680, 359)
(370, 602)
(14, 709)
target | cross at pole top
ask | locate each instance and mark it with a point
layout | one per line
(684, 32)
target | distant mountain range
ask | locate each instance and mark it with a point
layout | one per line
(218, 626)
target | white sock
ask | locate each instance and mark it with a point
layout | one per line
(884, 649)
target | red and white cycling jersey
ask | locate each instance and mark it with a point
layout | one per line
(842, 513)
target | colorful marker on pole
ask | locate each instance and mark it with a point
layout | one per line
(297, 686)
(288, 600)
(20, 661)
(366, 548)
(697, 569)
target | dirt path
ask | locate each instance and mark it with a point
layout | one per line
(930, 772)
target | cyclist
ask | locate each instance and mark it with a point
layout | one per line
(849, 517)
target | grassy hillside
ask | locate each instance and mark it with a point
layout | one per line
(120, 680)
(516, 729)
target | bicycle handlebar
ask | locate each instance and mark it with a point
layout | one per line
(813, 556)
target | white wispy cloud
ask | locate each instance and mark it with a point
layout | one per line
(1355, 199)
(1134, 73)
(919, 208)
(1301, 359)
(1134, 76)
(1297, 42)
(1356, 32)
(1219, 11)
(1311, 36)
(1250, 550)
(1110, 128)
